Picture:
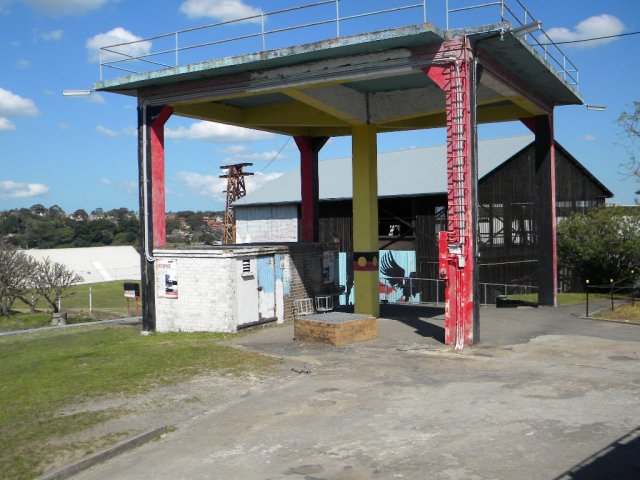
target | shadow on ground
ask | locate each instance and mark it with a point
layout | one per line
(427, 321)
(619, 460)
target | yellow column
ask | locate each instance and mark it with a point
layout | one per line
(365, 219)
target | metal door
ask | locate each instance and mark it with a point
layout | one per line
(266, 288)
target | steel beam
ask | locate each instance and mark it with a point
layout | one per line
(545, 207)
(151, 122)
(309, 185)
(454, 74)
(365, 219)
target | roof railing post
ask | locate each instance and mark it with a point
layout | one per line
(424, 11)
(262, 33)
(177, 59)
(100, 62)
(446, 16)
(337, 18)
(502, 10)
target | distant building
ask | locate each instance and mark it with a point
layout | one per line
(95, 264)
(412, 205)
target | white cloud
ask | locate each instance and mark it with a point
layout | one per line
(208, 186)
(15, 105)
(106, 131)
(223, 10)
(213, 187)
(23, 64)
(96, 98)
(593, 27)
(113, 37)
(588, 138)
(234, 149)
(52, 36)
(10, 189)
(216, 132)
(59, 8)
(129, 187)
(63, 126)
(6, 125)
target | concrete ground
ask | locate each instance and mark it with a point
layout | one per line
(545, 395)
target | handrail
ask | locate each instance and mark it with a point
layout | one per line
(521, 16)
(151, 58)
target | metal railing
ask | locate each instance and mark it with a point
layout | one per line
(121, 56)
(431, 290)
(518, 15)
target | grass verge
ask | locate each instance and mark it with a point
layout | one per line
(42, 373)
(566, 298)
(625, 313)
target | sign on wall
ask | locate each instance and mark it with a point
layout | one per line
(328, 267)
(167, 278)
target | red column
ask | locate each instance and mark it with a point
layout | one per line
(457, 244)
(156, 151)
(309, 185)
(545, 207)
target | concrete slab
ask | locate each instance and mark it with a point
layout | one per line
(546, 396)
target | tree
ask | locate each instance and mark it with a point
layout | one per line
(52, 280)
(601, 244)
(15, 270)
(630, 124)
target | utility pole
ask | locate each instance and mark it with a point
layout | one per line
(235, 189)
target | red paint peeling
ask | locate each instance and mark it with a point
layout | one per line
(158, 207)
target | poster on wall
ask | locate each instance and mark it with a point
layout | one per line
(167, 278)
(328, 267)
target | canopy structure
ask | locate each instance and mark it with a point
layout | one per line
(404, 78)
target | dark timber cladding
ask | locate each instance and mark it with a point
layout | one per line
(399, 79)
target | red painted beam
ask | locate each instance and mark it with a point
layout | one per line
(156, 151)
(309, 185)
(456, 251)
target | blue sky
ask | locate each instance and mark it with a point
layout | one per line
(81, 152)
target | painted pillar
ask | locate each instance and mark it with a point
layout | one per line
(458, 245)
(309, 186)
(365, 219)
(152, 200)
(159, 116)
(545, 207)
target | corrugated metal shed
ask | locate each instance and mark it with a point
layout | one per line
(418, 171)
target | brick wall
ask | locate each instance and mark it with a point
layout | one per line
(209, 294)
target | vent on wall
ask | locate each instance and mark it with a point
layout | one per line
(246, 266)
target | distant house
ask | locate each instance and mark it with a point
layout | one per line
(412, 205)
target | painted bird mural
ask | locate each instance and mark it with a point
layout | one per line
(397, 279)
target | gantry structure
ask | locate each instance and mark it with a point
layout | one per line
(236, 189)
(409, 77)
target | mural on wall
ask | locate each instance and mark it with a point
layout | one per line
(397, 271)
(396, 280)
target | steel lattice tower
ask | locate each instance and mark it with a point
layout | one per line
(235, 189)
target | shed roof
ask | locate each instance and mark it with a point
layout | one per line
(403, 173)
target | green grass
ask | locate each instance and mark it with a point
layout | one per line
(108, 299)
(42, 373)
